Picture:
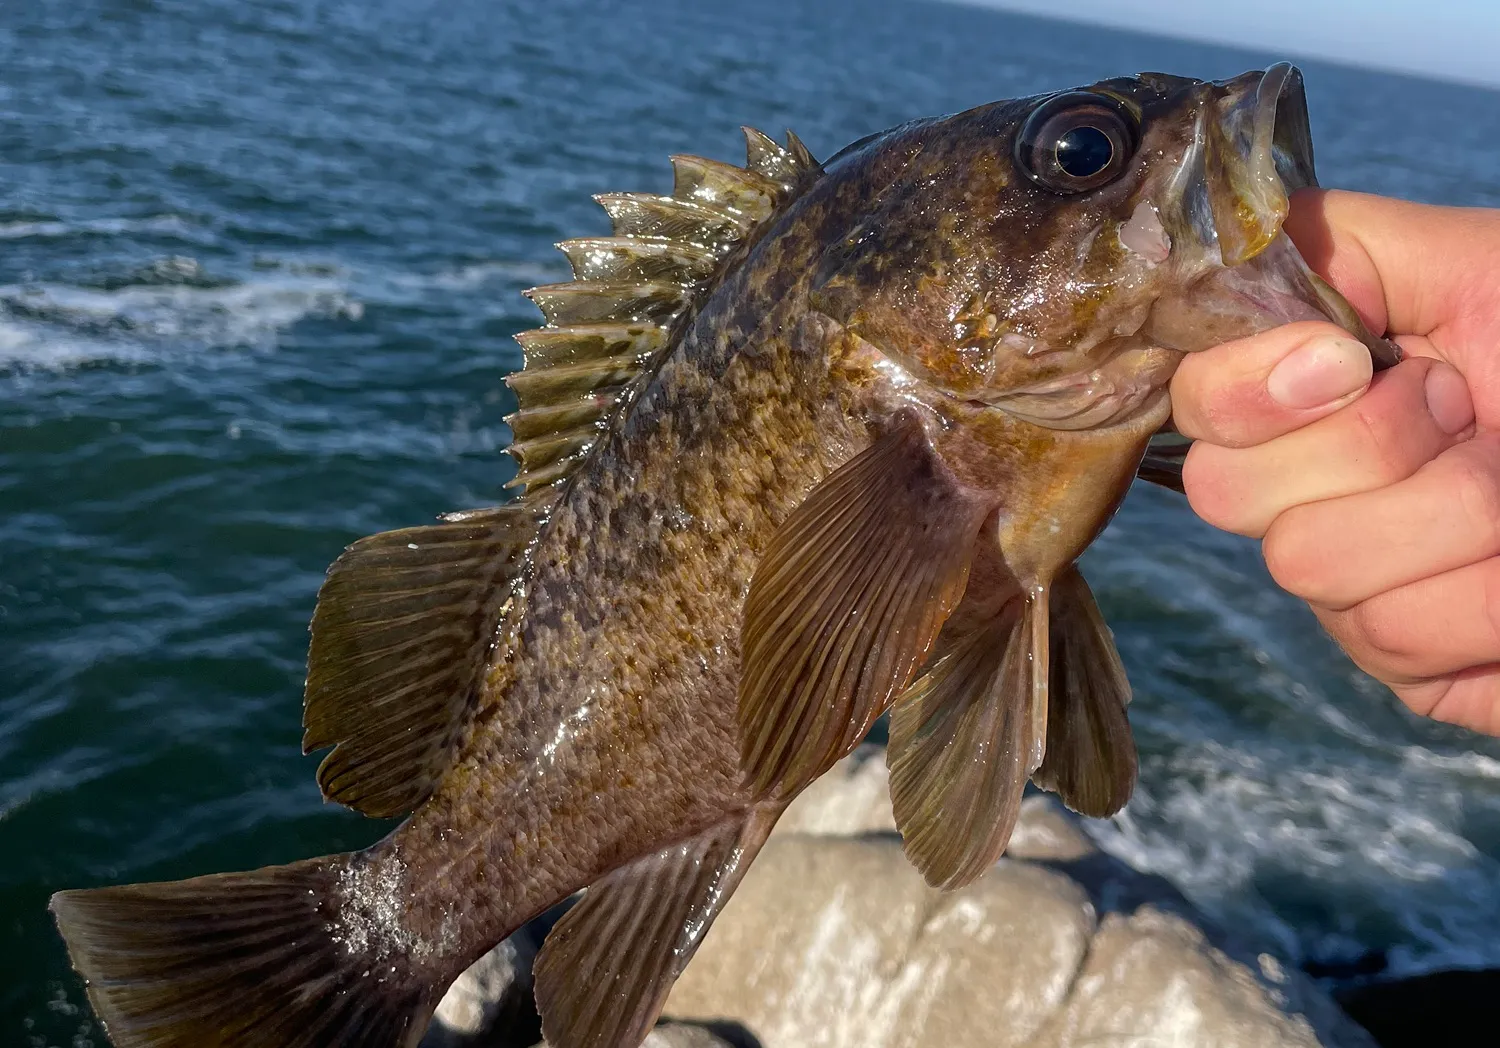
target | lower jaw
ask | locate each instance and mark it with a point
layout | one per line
(1128, 389)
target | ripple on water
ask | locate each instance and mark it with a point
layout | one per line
(261, 264)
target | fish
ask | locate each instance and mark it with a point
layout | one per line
(801, 444)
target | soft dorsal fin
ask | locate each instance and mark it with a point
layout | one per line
(400, 640)
(607, 325)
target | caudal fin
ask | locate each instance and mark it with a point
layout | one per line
(249, 960)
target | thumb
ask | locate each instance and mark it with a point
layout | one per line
(1254, 389)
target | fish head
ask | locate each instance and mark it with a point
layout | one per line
(1055, 256)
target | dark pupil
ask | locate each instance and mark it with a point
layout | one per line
(1084, 151)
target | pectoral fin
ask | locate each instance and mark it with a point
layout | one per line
(1163, 461)
(846, 605)
(963, 741)
(606, 969)
(1091, 760)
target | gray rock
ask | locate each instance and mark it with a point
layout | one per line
(686, 1035)
(835, 943)
(1152, 979)
(490, 1004)
(851, 799)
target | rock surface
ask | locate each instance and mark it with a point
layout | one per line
(491, 1004)
(834, 941)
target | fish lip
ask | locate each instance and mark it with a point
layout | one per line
(1122, 387)
(1257, 152)
(1251, 150)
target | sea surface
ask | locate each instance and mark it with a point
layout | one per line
(260, 262)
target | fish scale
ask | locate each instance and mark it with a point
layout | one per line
(798, 445)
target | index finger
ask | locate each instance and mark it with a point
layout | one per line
(1410, 269)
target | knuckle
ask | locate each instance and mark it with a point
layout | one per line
(1211, 407)
(1225, 424)
(1290, 556)
(1490, 612)
(1476, 486)
(1208, 482)
(1381, 636)
(1387, 449)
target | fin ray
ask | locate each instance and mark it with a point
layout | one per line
(399, 719)
(1091, 758)
(963, 741)
(606, 328)
(235, 958)
(846, 604)
(638, 259)
(605, 970)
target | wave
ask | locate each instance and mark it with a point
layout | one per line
(174, 226)
(1322, 855)
(55, 325)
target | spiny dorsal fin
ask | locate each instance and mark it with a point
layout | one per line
(400, 640)
(607, 325)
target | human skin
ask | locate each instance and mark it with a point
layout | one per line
(1377, 500)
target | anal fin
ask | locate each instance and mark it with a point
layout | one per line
(1091, 758)
(604, 972)
(964, 739)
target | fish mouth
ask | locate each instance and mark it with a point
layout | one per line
(1251, 148)
(1256, 154)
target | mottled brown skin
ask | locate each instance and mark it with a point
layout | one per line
(972, 358)
(608, 729)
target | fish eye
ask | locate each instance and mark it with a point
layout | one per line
(1075, 142)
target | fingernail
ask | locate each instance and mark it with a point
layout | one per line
(1320, 372)
(1448, 399)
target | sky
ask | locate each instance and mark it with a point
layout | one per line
(1445, 39)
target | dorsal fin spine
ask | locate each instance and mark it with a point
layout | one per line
(408, 621)
(607, 327)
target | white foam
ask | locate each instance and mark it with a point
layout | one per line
(51, 325)
(157, 225)
(1379, 845)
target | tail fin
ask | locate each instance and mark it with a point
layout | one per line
(242, 959)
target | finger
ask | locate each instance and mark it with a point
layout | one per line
(1409, 414)
(1340, 552)
(1441, 625)
(1470, 699)
(1408, 268)
(1251, 390)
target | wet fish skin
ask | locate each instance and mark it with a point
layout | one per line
(850, 468)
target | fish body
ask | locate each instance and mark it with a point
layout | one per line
(802, 443)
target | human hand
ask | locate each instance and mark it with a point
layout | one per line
(1377, 500)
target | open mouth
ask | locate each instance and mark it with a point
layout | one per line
(1252, 150)
(1257, 153)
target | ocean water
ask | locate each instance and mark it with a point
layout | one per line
(260, 261)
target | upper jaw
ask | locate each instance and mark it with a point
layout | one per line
(1250, 149)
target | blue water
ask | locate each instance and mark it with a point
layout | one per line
(259, 266)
